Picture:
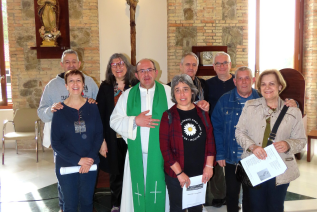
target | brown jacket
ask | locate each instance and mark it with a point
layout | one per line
(251, 126)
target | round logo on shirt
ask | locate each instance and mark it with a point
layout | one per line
(190, 129)
(84, 136)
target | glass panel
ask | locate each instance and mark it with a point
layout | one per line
(6, 49)
(207, 58)
(277, 31)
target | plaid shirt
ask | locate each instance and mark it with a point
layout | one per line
(171, 140)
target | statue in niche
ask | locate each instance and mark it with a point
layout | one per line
(48, 12)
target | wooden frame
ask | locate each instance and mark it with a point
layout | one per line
(3, 80)
(63, 41)
(206, 70)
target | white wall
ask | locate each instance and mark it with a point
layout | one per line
(151, 32)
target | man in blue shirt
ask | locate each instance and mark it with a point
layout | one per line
(224, 118)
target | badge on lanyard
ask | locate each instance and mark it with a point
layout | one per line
(80, 126)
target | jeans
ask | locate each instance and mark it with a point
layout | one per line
(116, 180)
(233, 190)
(77, 189)
(175, 193)
(269, 198)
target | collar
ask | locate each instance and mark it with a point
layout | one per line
(266, 108)
(147, 90)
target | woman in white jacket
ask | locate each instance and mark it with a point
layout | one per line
(252, 133)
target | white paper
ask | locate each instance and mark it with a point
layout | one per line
(75, 169)
(195, 194)
(260, 171)
(47, 134)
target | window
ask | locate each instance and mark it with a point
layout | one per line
(275, 34)
(5, 89)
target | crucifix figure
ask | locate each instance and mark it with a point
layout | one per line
(133, 4)
(138, 193)
(155, 192)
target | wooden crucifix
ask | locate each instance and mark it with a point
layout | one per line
(133, 4)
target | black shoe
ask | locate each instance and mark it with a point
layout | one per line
(217, 203)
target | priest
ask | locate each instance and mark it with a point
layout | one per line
(136, 118)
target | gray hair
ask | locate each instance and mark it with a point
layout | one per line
(192, 54)
(69, 51)
(148, 60)
(243, 68)
(221, 54)
(184, 78)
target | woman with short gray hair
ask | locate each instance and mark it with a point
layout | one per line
(186, 141)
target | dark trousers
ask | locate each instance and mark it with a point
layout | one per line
(217, 185)
(233, 189)
(175, 193)
(60, 196)
(116, 180)
(77, 189)
(269, 198)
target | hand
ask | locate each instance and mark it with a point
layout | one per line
(281, 146)
(92, 101)
(259, 152)
(290, 103)
(207, 174)
(143, 120)
(84, 169)
(56, 106)
(183, 179)
(204, 105)
(104, 148)
(221, 163)
(86, 161)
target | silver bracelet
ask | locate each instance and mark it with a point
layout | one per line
(209, 166)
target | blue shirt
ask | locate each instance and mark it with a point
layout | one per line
(224, 120)
(72, 141)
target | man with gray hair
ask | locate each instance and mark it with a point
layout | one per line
(55, 92)
(189, 65)
(217, 86)
(224, 118)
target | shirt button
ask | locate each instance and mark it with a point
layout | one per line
(262, 126)
(234, 139)
(233, 151)
(237, 114)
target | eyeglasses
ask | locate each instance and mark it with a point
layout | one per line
(115, 65)
(149, 71)
(224, 64)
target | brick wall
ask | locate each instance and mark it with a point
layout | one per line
(204, 23)
(309, 61)
(30, 75)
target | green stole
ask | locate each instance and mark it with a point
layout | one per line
(154, 198)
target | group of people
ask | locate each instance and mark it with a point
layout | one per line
(152, 138)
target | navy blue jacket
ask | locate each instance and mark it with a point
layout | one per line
(70, 146)
(224, 119)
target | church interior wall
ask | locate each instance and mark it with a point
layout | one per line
(165, 30)
(29, 75)
(151, 33)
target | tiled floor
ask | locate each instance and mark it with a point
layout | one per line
(21, 175)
